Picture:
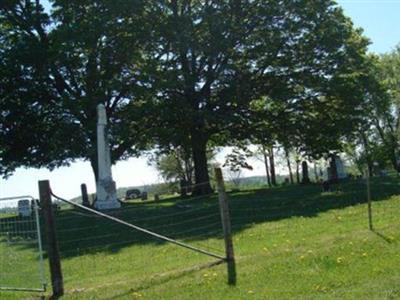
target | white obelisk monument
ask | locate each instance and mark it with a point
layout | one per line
(106, 191)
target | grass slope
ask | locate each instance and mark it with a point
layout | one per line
(291, 242)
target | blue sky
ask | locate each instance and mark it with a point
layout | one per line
(379, 19)
(381, 23)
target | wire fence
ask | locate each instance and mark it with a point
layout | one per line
(196, 220)
(286, 210)
(93, 247)
(143, 238)
(21, 258)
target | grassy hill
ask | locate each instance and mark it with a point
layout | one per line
(171, 188)
(291, 242)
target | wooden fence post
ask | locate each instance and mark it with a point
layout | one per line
(52, 245)
(369, 199)
(226, 226)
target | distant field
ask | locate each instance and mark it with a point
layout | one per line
(292, 242)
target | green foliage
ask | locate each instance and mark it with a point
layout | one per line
(378, 133)
(171, 74)
(56, 68)
(237, 159)
(174, 166)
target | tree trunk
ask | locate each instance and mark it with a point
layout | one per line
(297, 171)
(272, 165)
(316, 172)
(202, 178)
(289, 166)
(393, 159)
(95, 168)
(305, 177)
(367, 153)
(332, 169)
(266, 165)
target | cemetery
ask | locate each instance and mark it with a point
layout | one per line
(273, 128)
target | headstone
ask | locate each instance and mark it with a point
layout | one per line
(336, 169)
(106, 190)
(326, 186)
(85, 197)
(144, 196)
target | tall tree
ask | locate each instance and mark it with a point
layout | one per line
(215, 57)
(57, 67)
(387, 116)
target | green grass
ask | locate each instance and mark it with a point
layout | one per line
(291, 242)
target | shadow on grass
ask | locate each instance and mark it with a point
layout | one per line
(160, 279)
(382, 236)
(193, 220)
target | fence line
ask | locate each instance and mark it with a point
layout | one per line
(125, 209)
(156, 235)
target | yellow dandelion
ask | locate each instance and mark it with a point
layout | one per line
(339, 260)
(302, 257)
(205, 275)
(309, 251)
(365, 254)
(265, 249)
(250, 292)
(215, 274)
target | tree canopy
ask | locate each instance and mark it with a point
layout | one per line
(56, 68)
(176, 74)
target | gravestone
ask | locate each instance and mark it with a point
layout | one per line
(336, 169)
(85, 197)
(106, 190)
(341, 172)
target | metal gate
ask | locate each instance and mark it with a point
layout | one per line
(21, 256)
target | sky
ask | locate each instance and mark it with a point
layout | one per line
(381, 24)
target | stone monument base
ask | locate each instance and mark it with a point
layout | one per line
(106, 195)
(104, 205)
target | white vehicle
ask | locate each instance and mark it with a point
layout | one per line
(24, 208)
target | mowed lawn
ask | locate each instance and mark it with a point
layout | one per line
(292, 242)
